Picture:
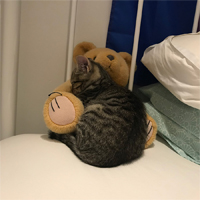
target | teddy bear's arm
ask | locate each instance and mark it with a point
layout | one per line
(64, 87)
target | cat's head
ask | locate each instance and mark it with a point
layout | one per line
(85, 74)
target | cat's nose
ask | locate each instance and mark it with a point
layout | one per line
(111, 57)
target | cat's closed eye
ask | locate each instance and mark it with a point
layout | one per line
(76, 84)
(76, 87)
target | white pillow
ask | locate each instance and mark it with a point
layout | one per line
(175, 62)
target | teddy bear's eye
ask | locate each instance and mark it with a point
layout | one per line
(111, 57)
(94, 58)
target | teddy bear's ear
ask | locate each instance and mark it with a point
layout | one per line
(82, 48)
(127, 57)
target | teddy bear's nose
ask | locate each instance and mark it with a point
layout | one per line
(110, 57)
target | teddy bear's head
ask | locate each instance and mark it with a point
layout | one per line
(116, 64)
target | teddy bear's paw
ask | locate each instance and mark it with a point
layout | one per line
(149, 129)
(61, 111)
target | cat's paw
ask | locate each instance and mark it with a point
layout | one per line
(52, 135)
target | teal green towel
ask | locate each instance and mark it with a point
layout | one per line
(178, 123)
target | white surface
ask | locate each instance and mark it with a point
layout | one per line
(175, 62)
(189, 46)
(9, 63)
(34, 167)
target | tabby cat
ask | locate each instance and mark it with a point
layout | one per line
(112, 129)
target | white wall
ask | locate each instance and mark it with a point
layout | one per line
(9, 49)
(92, 21)
(43, 49)
(0, 71)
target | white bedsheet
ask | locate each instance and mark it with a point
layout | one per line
(34, 167)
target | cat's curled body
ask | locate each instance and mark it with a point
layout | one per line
(112, 129)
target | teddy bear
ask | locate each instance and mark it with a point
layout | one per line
(62, 109)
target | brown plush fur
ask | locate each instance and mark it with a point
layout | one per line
(78, 106)
(116, 64)
(153, 137)
(118, 68)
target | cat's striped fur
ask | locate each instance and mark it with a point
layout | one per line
(112, 129)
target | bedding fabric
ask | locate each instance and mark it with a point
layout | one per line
(175, 62)
(178, 123)
(34, 167)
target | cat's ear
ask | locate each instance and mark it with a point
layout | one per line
(83, 64)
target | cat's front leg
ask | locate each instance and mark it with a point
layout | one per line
(69, 139)
(53, 136)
